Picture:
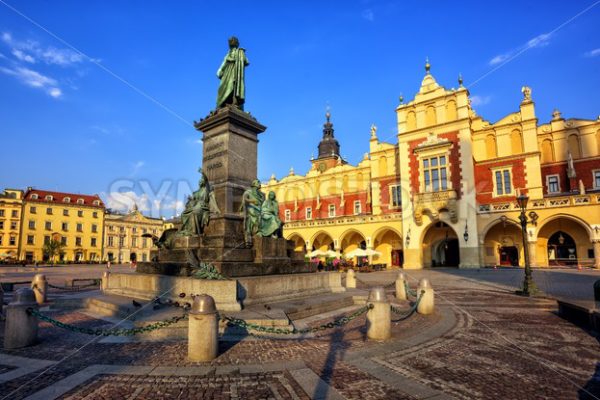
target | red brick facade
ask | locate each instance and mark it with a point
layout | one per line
(323, 212)
(484, 180)
(583, 170)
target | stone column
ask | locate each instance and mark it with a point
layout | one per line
(203, 329)
(596, 243)
(425, 292)
(532, 253)
(20, 329)
(104, 283)
(350, 279)
(379, 323)
(401, 287)
(39, 285)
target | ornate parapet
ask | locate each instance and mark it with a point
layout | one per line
(434, 202)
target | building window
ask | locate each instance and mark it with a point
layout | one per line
(357, 209)
(133, 242)
(552, 183)
(49, 210)
(67, 200)
(288, 215)
(144, 243)
(65, 226)
(46, 239)
(121, 241)
(111, 228)
(1, 224)
(94, 228)
(1, 213)
(396, 195)
(502, 181)
(0, 240)
(32, 210)
(93, 242)
(29, 239)
(49, 198)
(65, 212)
(110, 241)
(63, 240)
(121, 229)
(12, 241)
(308, 212)
(435, 174)
(13, 225)
(34, 196)
(80, 201)
(48, 225)
(96, 202)
(134, 229)
(77, 241)
(95, 214)
(331, 210)
(597, 179)
(79, 213)
(14, 214)
(32, 224)
(79, 227)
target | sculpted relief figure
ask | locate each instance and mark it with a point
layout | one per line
(198, 208)
(232, 89)
(271, 225)
(251, 206)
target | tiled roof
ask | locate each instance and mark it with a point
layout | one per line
(46, 196)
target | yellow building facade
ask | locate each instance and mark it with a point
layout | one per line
(123, 241)
(445, 193)
(76, 220)
(11, 204)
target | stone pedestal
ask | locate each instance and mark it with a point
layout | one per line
(21, 328)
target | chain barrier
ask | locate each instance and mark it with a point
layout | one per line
(389, 285)
(279, 331)
(107, 332)
(409, 291)
(74, 288)
(407, 313)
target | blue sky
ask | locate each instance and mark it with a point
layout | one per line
(118, 118)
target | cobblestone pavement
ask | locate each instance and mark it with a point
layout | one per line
(482, 342)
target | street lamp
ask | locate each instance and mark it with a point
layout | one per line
(528, 284)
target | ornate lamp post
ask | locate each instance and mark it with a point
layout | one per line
(528, 284)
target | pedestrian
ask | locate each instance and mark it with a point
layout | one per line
(108, 265)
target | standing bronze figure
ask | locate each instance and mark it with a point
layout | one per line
(232, 89)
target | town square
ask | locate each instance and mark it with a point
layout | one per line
(366, 200)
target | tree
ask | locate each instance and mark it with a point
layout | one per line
(52, 248)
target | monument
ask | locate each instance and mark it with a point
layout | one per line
(228, 222)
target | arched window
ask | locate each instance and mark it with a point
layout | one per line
(411, 121)
(574, 146)
(382, 166)
(430, 116)
(490, 146)
(67, 200)
(547, 151)
(79, 201)
(516, 141)
(451, 114)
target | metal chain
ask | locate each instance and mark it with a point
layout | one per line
(407, 313)
(409, 291)
(269, 329)
(107, 332)
(74, 288)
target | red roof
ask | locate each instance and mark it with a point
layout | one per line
(59, 198)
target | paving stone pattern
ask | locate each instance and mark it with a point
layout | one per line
(501, 346)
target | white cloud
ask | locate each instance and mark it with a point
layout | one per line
(136, 167)
(368, 15)
(22, 56)
(34, 79)
(593, 53)
(480, 100)
(541, 40)
(30, 51)
(124, 201)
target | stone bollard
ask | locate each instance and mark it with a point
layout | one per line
(20, 329)
(426, 305)
(350, 279)
(104, 283)
(39, 284)
(203, 329)
(379, 322)
(401, 287)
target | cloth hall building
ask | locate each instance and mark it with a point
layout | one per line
(445, 193)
